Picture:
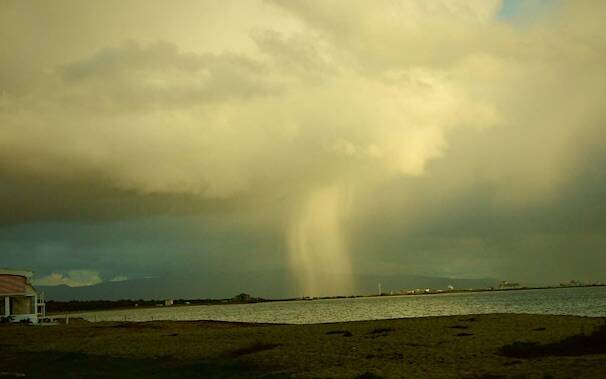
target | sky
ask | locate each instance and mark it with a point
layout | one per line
(314, 141)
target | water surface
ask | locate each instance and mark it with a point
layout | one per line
(561, 301)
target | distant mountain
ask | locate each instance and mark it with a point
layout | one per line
(199, 286)
(272, 285)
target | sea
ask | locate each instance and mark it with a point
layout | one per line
(580, 301)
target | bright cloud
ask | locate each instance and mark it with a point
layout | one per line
(73, 278)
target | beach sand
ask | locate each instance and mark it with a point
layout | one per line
(431, 347)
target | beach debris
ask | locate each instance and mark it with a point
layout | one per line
(459, 327)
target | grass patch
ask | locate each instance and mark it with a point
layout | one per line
(463, 334)
(381, 330)
(368, 375)
(254, 348)
(579, 344)
(134, 325)
(470, 319)
(62, 365)
(344, 333)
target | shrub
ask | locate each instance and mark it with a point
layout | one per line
(578, 344)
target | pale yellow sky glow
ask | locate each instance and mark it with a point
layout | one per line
(274, 109)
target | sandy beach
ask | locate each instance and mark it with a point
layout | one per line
(480, 346)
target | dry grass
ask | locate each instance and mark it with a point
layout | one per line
(410, 348)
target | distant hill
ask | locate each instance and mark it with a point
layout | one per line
(271, 285)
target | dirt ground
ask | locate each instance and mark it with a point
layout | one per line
(431, 347)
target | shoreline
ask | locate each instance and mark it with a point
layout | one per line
(463, 346)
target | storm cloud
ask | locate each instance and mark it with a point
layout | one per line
(437, 138)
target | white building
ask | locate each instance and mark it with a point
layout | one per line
(18, 298)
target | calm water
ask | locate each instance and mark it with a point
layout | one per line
(566, 301)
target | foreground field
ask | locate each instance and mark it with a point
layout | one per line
(482, 346)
